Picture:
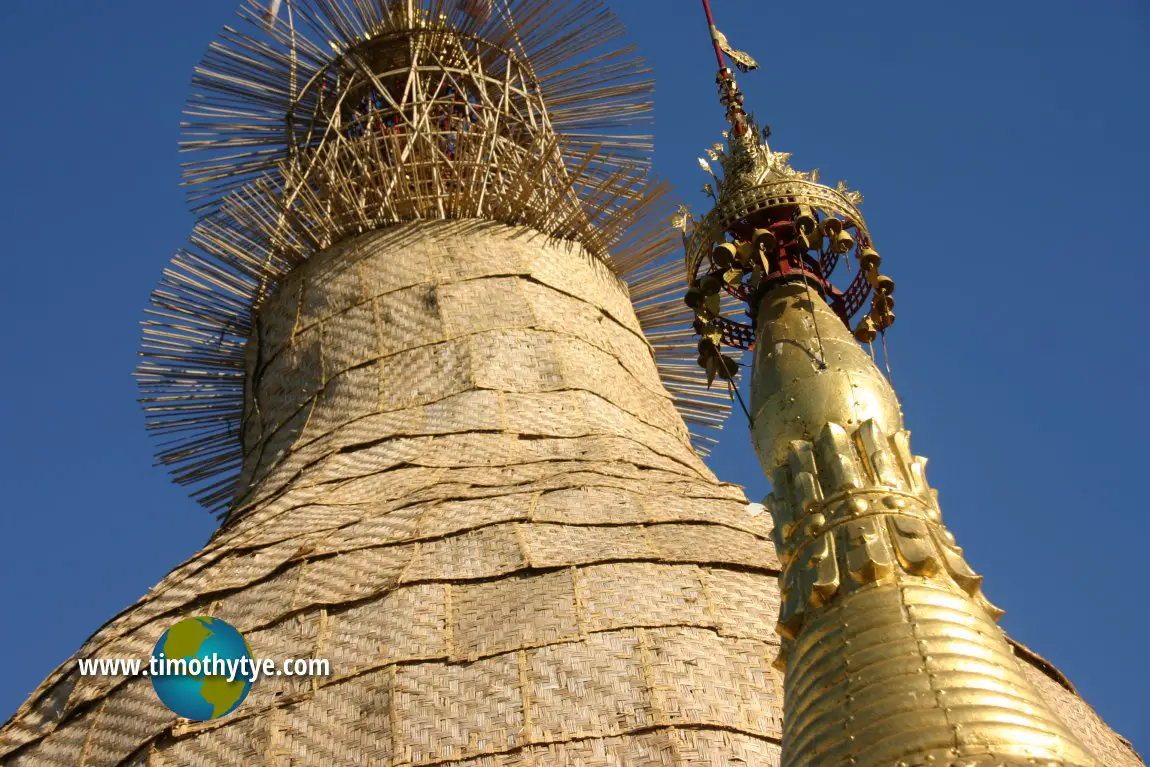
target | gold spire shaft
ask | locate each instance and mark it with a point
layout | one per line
(892, 654)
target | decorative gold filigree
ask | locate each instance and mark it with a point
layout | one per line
(853, 197)
(743, 61)
(754, 177)
(847, 515)
(684, 220)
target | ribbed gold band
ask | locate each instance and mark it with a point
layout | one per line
(892, 654)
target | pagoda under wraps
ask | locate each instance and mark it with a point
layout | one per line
(428, 357)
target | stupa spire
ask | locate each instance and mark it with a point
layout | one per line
(891, 651)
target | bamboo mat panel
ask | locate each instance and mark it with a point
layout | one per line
(465, 486)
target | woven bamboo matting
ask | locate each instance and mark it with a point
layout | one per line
(466, 487)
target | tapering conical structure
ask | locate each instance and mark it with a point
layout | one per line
(427, 358)
(890, 651)
(426, 355)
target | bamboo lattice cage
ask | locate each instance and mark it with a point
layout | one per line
(340, 117)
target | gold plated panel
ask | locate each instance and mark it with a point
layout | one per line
(892, 655)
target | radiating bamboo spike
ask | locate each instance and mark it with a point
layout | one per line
(544, 138)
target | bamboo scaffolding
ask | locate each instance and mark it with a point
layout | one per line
(356, 115)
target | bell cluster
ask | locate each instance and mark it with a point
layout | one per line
(705, 299)
(881, 314)
(811, 234)
(803, 242)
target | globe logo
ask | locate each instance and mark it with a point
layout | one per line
(191, 666)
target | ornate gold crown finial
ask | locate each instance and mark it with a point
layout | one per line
(748, 162)
(771, 223)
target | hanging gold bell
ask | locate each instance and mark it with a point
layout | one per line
(694, 298)
(724, 255)
(842, 242)
(882, 284)
(869, 260)
(866, 330)
(710, 285)
(710, 338)
(881, 302)
(831, 227)
(714, 361)
(711, 365)
(709, 288)
(805, 242)
(711, 306)
(805, 219)
(765, 246)
(765, 242)
(745, 254)
(728, 367)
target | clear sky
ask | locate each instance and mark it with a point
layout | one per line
(1002, 150)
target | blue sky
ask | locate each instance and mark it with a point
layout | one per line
(1001, 148)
